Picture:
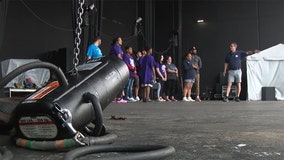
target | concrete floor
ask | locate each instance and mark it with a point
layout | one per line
(213, 130)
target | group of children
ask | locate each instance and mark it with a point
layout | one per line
(146, 71)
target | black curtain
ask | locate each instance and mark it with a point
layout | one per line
(3, 17)
(88, 25)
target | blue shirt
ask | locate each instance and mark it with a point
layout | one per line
(94, 51)
(188, 71)
(234, 60)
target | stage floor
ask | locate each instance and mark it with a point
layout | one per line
(214, 130)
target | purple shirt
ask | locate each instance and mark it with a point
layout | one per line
(129, 61)
(162, 68)
(115, 50)
(147, 74)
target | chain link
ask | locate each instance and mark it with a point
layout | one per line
(78, 32)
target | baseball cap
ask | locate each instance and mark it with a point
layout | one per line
(193, 48)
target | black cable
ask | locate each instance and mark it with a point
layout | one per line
(143, 152)
(146, 152)
(98, 122)
(38, 64)
(105, 139)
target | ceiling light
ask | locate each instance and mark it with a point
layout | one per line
(200, 21)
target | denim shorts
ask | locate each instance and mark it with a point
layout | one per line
(189, 80)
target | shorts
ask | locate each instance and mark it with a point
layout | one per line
(147, 85)
(189, 80)
(235, 76)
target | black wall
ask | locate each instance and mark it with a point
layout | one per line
(37, 27)
(118, 19)
(34, 28)
(253, 24)
(46, 25)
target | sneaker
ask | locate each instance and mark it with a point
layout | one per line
(226, 99)
(197, 99)
(185, 99)
(137, 98)
(173, 99)
(168, 100)
(147, 100)
(190, 99)
(121, 100)
(161, 99)
(131, 99)
(237, 99)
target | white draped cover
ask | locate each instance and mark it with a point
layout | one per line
(266, 69)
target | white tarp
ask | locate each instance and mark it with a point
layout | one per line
(266, 69)
(38, 76)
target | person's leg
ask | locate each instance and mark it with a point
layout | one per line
(226, 98)
(168, 88)
(197, 86)
(158, 89)
(162, 89)
(189, 91)
(144, 93)
(119, 98)
(231, 79)
(185, 91)
(173, 90)
(148, 89)
(130, 91)
(229, 85)
(136, 88)
(239, 86)
(127, 88)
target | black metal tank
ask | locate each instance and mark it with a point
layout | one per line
(37, 116)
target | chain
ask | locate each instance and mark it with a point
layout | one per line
(78, 32)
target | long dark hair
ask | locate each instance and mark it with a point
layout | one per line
(115, 39)
(158, 57)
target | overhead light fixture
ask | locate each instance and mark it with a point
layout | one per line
(139, 20)
(200, 21)
(92, 7)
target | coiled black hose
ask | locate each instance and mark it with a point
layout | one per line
(98, 122)
(57, 71)
(5, 154)
(96, 135)
(142, 152)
